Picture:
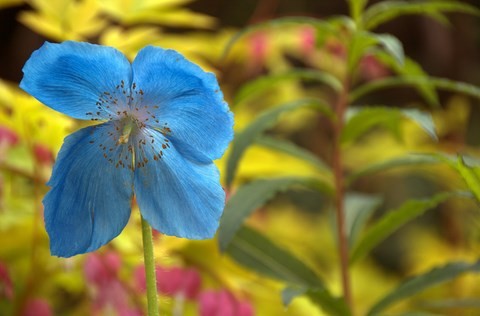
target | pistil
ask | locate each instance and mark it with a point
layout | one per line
(127, 130)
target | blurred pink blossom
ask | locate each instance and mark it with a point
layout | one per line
(307, 40)
(7, 136)
(43, 154)
(372, 69)
(37, 307)
(6, 284)
(222, 303)
(101, 271)
(258, 48)
(336, 48)
(172, 281)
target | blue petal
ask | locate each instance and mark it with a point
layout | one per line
(176, 196)
(189, 101)
(90, 199)
(74, 78)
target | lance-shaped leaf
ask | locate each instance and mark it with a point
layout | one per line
(266, 82)
(454, 303)
(363, 42)
(356, 9)
(358, 210)
(404, 161)
(470, 174)
(392, 221)
(253, 195)
(261, 124)
(392, 46)
(385, 11)
(293, 150)
(410, 68)
(414, 81)
(255, 251)
(363, 119)
(421, 282)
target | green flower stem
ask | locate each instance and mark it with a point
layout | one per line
(152, 299)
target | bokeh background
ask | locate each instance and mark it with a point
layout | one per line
(195, 278)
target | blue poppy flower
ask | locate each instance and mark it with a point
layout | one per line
(163, 121)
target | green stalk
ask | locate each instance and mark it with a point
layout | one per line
(150, 276)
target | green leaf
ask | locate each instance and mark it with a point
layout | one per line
(363, 119)
(408, 160)
(261, 124)
(418, 314)
(291, 292)
(453, 303)
(471, 176)
(356, 9)
(411, 68)
(293, 150)
(255, 251)
(334, 306)
(250, 197)
(439, 83)
(358, 210)
(387, 10)
(363, 42)
(393, 46)
(264, 83)
(421, 282)
(359, 44)
(324, 26)
(423, 119)
(392, 221)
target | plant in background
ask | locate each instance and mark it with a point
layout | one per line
(345, 106)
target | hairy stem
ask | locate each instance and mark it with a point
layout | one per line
(150, 276)
(340, 109)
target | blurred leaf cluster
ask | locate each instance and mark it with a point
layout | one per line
(406, 179)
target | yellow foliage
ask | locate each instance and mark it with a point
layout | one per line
(32, 120)
(130, 41)
(165, 12)
(64, 19)
(259, 162)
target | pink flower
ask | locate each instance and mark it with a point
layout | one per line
(139, 281)
(372, 69)
(43, 154)
(101, 271)
(336, 48)
(307, 40)
(258, 48)
(222, 303)
(7, 136)
(37, 307)
(172, 281)
(191, 283)
(6, 284)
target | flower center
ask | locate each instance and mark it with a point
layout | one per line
(129, 122)
(133, 135)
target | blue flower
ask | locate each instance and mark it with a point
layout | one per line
(162, 120)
